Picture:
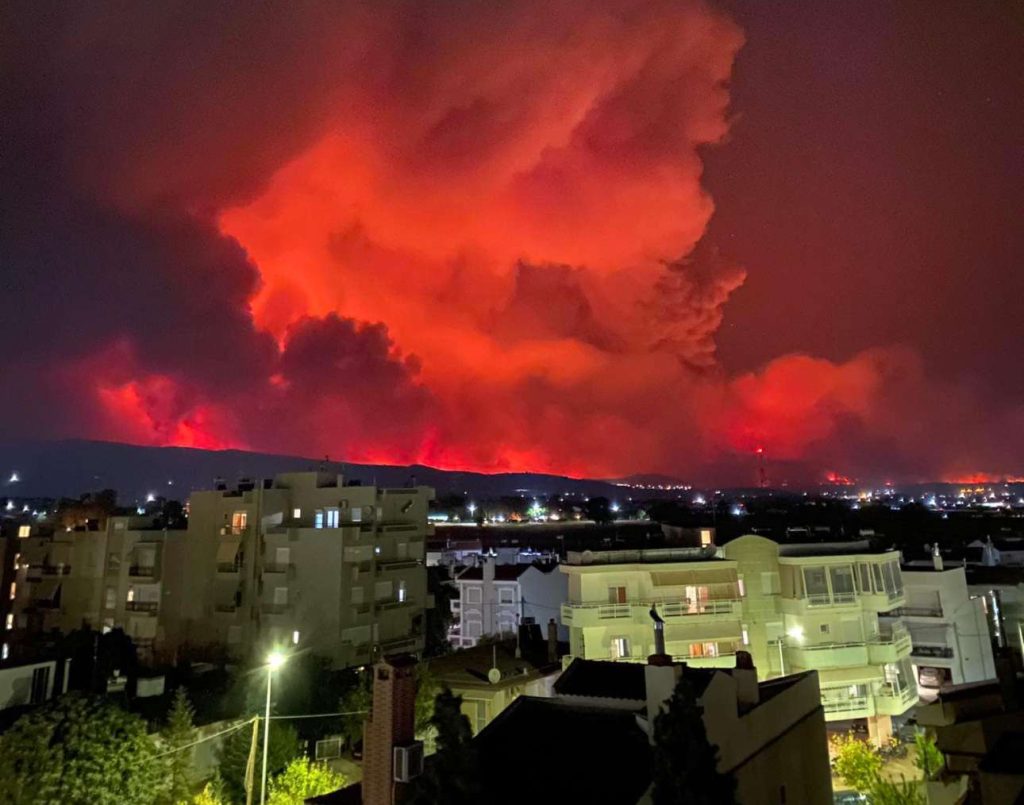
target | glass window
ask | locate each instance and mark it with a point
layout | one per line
(890, 581)
(24, 531)
(879, 584)
(473, 595)
(318, 519)
(815, 582)
(865, 578)
(332, 518)
(842, 583)
(897, 578)
(239, 520)
(296, 513)
(506, 595)
(620, 648)
(617, 595)
(401, 592)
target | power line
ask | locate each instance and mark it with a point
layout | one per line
(210, 737)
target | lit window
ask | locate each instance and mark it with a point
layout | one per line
(5, 652)
(746, 637)
(620, 648)
(705, 537)
(131, 594)
(9, 621)
(376, 550)
(296, 513)
(239, 520)
(401, 592)
(24, 531)
(295, 638)
(742, 588)
(318, 519)
(332, 518)
(14, 590)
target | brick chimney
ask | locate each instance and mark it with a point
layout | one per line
(745, 675)
(391, 723)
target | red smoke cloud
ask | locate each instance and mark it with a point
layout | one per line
(459, 234)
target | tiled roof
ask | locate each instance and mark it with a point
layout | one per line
(604, 679)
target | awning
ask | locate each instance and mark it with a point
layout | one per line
(45, 590)
(849, 676)
(227, 551)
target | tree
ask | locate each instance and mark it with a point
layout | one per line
(599, 510)
(685, 762)
(178, 734)
(301, 779)
(927, 756)
(234, 756)
(452, 776)
(439, 617)
(78, 750)
(358, 700)
(208, 796)
(856, 763)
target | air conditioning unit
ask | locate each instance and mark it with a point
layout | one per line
(408, 761)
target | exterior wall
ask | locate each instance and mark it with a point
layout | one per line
(791, 612)
(16, 684)
(543, 595)
(948, 629)
(482, 704)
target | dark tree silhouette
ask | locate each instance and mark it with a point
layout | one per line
(452, 774)
(685, 762)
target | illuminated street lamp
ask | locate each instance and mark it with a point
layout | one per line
(274, 661)
(471, 508)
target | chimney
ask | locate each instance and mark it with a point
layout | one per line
(488, 568)
(659, 640)
(745, 674)
(936, 557)
(552, 640)
(391, 754)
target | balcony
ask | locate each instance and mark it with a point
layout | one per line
(830, 655)
(142, 570)
(397, 644)
(892, 702)
(920, 612)
(388, 565)
(54, 570)
(673, 610)
(890, 647)
(275, 609)
(225, 608)
(234, 531)
(284, 567)
(852, 707)
(394, 604)
(932, 652)
(149, 607)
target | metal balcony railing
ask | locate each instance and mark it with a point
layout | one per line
(853, 704)
(142, 606)
(932, 651)
(386, 565)
(668, 607)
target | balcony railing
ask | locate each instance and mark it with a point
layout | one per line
(671, 607)
(383, 566)
(142, 570)
(397, 643)
(142, 606)
(921, 612)
(944, 652)
(827, 600)
(851, 705)
(394, 604)
(274, 567)
(234, 531)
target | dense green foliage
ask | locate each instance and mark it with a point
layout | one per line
(178, 734)
(234, 757)
(927, 757)
(856, 762)
(301, 779)
(79, 750)
(452, 774)
(685, 762)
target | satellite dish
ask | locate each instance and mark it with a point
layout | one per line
(494, 676)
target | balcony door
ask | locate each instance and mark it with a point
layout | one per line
(616, 595)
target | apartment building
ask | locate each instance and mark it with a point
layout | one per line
(827, 608)
(306, 560)
(494, 599)
(58, 578)
(949, 629)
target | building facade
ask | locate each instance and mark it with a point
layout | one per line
(833, 609)
(951, 642)
(309, 561)
(495, 598)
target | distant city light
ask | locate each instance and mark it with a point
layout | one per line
(150, 497)
(699, 500)
(10, 505)
(471, 508)
(14, 478)
(614, 507)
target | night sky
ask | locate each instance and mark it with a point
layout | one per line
(593, 238)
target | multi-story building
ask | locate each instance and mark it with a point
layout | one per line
(951, 642)
(494, 599)
(306, 560)
(827, 608)
(58, 579)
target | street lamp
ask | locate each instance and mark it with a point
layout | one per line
(274, 661)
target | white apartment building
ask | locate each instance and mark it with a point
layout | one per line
(948, 629)
(830, 608)
(493, 599)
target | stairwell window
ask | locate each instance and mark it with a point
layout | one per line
(620, 648)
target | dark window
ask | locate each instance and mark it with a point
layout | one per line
(40, 682)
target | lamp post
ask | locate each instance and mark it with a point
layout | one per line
(274, 661)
